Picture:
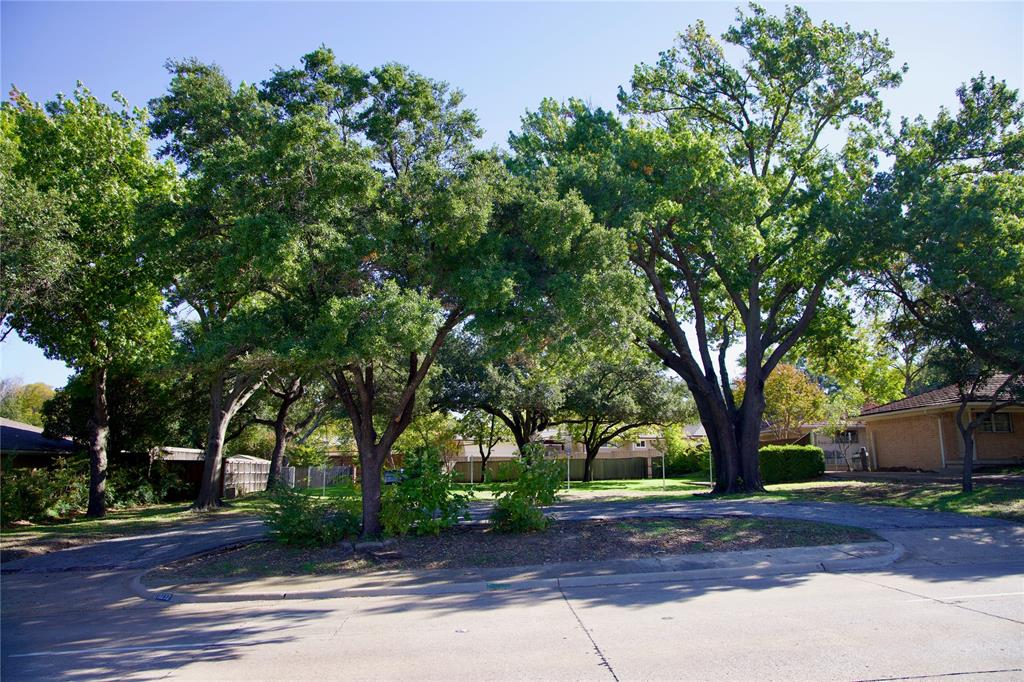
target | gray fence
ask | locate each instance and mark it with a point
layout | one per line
(314, 477)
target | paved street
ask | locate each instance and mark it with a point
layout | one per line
(953, 606)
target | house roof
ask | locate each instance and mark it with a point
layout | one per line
(22, 437)
(940, 397)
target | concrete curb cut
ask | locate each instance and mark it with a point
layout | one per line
(895, 553)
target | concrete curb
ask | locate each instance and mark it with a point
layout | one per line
(895, 553)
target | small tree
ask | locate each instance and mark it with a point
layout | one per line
(792, 400)
(485, 430)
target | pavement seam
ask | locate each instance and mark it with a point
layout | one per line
(936, 600)
(597, 649)
(938, 675)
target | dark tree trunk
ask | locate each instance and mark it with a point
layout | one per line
(281, 431)
(99, 433)
(588, 464)
(371, 460)
(210, 484)
(967, 435)
(223, 406)
(749, 435)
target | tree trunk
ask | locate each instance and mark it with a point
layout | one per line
(588, 465)
(483, 468)
(371, 460)
(749, 436)
(210, 485)
(281, 437)
(967, 434)
(277, 455)
(99, 433)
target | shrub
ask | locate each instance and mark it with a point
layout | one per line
(693, 458)
(516, 509)
(62, 490)
(426, 500)
(787, 463)
(36, 494)
(308, 521)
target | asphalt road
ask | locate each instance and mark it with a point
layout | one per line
(953, 607)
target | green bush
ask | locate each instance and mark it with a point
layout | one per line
(692, 458)
(516, 508)
(39, 494)
(62, 490)
(426, 501)
(789, 463)
(307, 521)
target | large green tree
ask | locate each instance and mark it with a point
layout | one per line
(350, 212)
(743, 221)
(88, 174)
(614, 396)
(954, 202)
(523, 389)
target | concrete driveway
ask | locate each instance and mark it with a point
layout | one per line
(953, 607)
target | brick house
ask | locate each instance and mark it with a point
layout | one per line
(920, 432)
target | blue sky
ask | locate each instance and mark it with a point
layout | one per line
(505, 56)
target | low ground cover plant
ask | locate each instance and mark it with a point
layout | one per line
(517, 506)
(791, 463)
(426, 500)
(295, 518)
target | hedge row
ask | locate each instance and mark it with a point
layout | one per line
(788, 463)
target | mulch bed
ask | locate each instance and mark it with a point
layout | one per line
(466, 547)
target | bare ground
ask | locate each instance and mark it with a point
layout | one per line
(479, 547)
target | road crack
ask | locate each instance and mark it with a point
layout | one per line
(593, 642)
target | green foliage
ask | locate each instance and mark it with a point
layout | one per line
(516, 507)
(23, 402)
(147, 409)
(308, 454)
(792, 400)
(37, 494)
(425, 501)
(955, 191)
(683, 455)
(62, 490)
(612, 396)
(790, 463)
(307, 521)
(255, 441)
(95, 160)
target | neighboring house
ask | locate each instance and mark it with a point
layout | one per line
(839, 448)
(920, 432)
(617, 460)
(25, 446)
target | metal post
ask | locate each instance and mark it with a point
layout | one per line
(323, 480)
(663, 483)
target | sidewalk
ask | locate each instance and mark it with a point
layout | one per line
(666, 569)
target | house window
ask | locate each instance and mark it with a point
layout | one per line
(640, 445)
(997, 422)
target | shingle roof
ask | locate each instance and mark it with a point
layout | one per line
(21, 437)
(947, 395)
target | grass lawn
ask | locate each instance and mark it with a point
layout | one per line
(26, 538)
(988, 499)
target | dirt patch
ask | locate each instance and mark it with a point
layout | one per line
(479, 547)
